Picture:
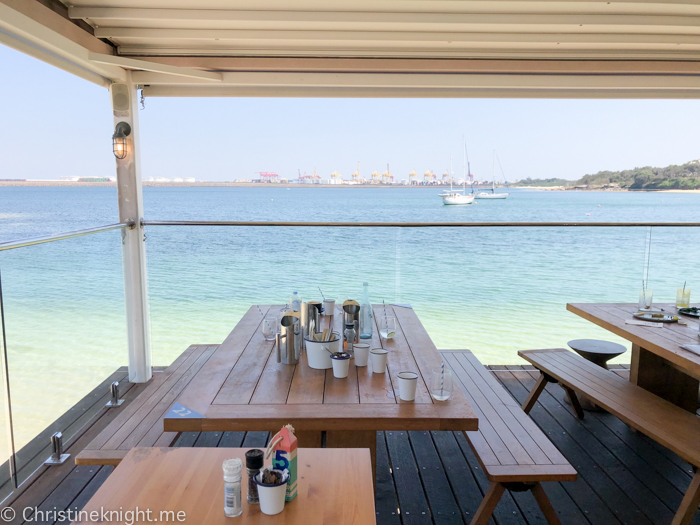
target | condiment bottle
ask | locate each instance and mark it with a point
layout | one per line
(233, 506)
(366, 315)
(349, 337)
(253, 462)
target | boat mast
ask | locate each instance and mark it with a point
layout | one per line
(464, 163)
(493, 173)
(451, 173)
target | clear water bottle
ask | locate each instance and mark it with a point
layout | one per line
(295, 302)
(366, 315)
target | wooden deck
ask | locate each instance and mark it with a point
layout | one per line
(433, 477)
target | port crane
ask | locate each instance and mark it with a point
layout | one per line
(376, 177)
(356, 174)
(387, 177)
(412, 177)
(267, 176)
(429, 176)
(336, 176)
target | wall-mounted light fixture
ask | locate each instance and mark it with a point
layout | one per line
(119, 147)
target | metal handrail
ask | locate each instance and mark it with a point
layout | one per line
(423, 224)
(61, 236)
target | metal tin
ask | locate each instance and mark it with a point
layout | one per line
(310, 319)
(289, 339)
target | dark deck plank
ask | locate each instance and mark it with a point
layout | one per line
(412, 500)
(443, 507)
(386, 500)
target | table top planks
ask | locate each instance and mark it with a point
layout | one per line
(665, 341)
(190, 481)
(242, 387)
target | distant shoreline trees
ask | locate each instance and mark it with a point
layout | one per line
(684, 177)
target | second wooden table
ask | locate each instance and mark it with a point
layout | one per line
(242, 387)
(659, 364)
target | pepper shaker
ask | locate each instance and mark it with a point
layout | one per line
(253, 463)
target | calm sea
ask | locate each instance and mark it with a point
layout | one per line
(492, 290)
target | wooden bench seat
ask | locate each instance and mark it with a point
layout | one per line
(668, 424)
(514, 453)
(140, 423)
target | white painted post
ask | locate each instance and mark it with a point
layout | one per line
(130, 197)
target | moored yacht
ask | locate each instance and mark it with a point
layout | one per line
(456, 197)
(492, 194)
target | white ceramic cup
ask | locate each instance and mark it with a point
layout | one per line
(361, 351)
(407, 385)
(341, 366)
(379, 358)
(272, 496)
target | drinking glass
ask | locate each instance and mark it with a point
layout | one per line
(269, 328)
(387, 327)
(683, 298)
(645, 297)
(441, 384)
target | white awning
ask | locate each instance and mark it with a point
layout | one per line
(393, 48)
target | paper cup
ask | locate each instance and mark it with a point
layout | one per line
(341, 365)
(318, 357)
(328, 306)
(361, 351)
(272, 496)
(407, 385)
(379, 358)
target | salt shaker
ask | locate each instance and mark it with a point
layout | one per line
(253, 462)
(233, 506)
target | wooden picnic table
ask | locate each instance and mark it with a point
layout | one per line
(659, 364)
(187, 484)
(242, 387)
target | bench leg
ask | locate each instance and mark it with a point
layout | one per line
(574, 401)
(545, 505)
(488, 504)
(690, 502)
(534, 393)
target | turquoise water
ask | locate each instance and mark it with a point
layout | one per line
(493, 290)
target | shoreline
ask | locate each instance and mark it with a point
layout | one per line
(75, 184)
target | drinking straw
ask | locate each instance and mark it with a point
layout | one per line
(648, 255)
(442, 379)
(386, 320)
(684, 282)
(259, 310)
(323, 296)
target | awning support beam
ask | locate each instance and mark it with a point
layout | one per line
(130, 195)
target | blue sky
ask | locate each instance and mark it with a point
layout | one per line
(56, 124)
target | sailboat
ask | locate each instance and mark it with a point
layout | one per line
(455, 197)
(493, 194)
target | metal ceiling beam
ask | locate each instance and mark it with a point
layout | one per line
(436, 81)
(355, 92)
(396, 12)
(506, 53)
(143, 65)
(371, 38)
(427, 65)
(34, 25)
(520, 23)
(28, 48)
